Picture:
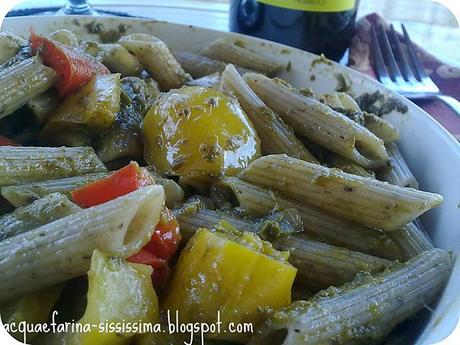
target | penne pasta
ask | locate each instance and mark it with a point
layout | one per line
(367, 201)
(397, 171)
(119, 60)
(65, 36)
(43, 105)
(344, 103)
(233, 52)
(319, 123)
(155, 56)
(9, 46)
(256, 201)
(29, 164)
(275, 136)
(411, 240)
(363, 311)
(42, 211)
(351, 167)
(62, 250)
(22, 82)
(200, 66)
(212, 81)
(320, 265)
(23, 194)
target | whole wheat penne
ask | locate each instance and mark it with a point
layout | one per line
(40, 212)
(28, 164)
(9, 45)
(344, 103)
(363, 311)
(275, 136)
(200, 66)
(62, 250)
(367, 201)
(155, 56)
(22, 82)
(397, 171)
(119, 60)
(381, 128)
(256, 201)
(232, 51)
(43, 105)
(320, 123)
(65, 36)
(411, 240)
(319, 265)
(23, 194)
(351, 167)
(212, 81)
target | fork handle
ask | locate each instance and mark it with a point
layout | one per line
(451, 102)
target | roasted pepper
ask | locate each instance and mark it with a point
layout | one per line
(240, 276)
(92, 108)
(198, 131)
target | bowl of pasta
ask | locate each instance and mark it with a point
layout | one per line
(161, 182)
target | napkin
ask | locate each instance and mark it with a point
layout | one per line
(446, 77)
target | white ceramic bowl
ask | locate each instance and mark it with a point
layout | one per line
(431, 152)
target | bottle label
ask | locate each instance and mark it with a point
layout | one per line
(313, 5)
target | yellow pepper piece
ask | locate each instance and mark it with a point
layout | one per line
(243, 280)
(33, 308)
(199, 131)
(119, 292)
(93, 107)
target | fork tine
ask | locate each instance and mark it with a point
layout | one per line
(380, 68)
(395, 74)
(401, 58)
(416, 64)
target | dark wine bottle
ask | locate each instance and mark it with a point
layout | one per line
(317, 26)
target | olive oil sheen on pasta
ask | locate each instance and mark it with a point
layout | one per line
(317, 26)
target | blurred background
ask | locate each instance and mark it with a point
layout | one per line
(430, 23)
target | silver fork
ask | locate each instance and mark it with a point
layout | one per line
(401, 70)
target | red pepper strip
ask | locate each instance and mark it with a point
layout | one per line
(166, 237)
(164, 243)
(73, 67)
(121, 182)
(4, 141)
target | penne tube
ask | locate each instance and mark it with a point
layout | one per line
(411, 240)
(65, 36)
(43, 105)
(319, 265)
(9, 45)
(200, 66)
(42, 211)
(155, 56)
(62, 250)
(28, 164)
(275, 136)
(320, 123)
(397, 171)
(363, 311)
(22, 82)
(23, 194)
(367, 201)
(351, 167)
(212, 81)
(232, 51)
(256, 201)
(344, 103)
(381, 128)
(119, 60)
